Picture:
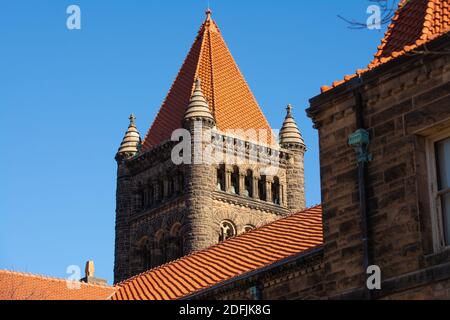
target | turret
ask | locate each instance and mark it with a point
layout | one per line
(199, 173)
(198, 109)
(292, 140)
(124, 200)
(131, 141)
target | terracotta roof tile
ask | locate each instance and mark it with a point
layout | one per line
(24, 286)
(251, 251)
(228, 94)
(415, 23)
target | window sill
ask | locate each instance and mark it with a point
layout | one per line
(440, 257)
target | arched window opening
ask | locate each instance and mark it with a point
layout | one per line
(221, 178)
(159, 251)
(248, 228)
(248, 192)
(276, 194)
(262, 188)
(175, 243)
(227, 230)
(235, 181)
(140, 200)
(144, 249)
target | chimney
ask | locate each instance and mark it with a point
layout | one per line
(90, 276)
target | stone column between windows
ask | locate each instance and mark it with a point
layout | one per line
(269, 181)
(241, 185)
(166, 188)
(228, 172)
(255, 187)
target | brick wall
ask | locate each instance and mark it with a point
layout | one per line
(402, 101)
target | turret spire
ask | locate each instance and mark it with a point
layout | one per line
(131, 141)
(198, 108)
(290, 134)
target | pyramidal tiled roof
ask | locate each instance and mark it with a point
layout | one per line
(238, 256)
(415, 23)
(228, 95)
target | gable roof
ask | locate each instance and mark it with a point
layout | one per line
(229, 97)
(415, 23)
(25, 286)
(238, 256)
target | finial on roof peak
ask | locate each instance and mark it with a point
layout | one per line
(289, 109)
(208, 13)
(132, 119)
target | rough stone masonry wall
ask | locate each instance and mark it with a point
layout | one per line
(402, 102)
(123, 212)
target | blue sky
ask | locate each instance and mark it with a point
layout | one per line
(65, 97)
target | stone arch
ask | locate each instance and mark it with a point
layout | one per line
(227, 230)
(159, 247)
(175, 243)
(248, 228)
(144, 249)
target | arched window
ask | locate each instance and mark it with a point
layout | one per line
(227, 230)
(148, 197)
(175, 243)
(144, 249)
(159, 250)
(140, 200)
(262, 188)
(248, 228)
(221, 178)
(235, 180)
(248, 192)
(276, 194)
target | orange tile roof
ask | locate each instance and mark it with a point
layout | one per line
(24, 286)
(228, 95)
(238, 256)
(415, 23)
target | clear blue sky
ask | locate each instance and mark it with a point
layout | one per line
(65, 97)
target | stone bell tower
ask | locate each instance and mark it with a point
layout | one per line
(167, 209)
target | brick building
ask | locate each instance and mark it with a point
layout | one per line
(384, 137)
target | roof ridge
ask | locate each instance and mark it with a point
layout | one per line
(49, 278)
(247, 234)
